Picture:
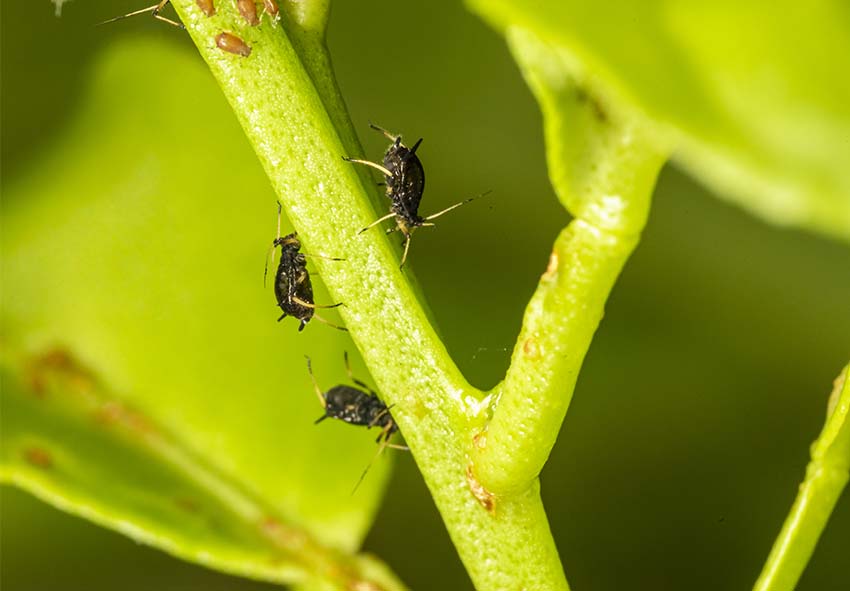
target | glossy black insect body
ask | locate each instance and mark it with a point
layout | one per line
(405, 181)
(357, 407)
(293, 289)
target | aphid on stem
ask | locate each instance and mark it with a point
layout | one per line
(206, 6)
(292, 286)
(248, 10)
(232, 44)
(405, 182)
(270, 8)
(357, 407)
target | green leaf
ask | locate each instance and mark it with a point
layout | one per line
(137, 246)
(756, 98)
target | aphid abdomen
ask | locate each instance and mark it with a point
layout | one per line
(292, 282)
(348, 404)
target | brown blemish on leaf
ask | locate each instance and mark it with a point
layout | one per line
(414, 405)
(583, 96)
(479, 440)
(38, 457)
(116, 413)
(58, 364)
(481, 494)
(187, 504)
(552, 267)
(283, 536)
(531, 348)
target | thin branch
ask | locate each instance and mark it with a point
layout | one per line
(603, 164)
(826, 477)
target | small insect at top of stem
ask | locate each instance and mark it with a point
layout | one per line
(270, 8)
(248, 10)
(206, 6)
(232, 44)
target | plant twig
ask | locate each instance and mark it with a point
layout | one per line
(603, 163)
(826, 477)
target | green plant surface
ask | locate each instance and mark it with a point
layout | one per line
(288, 123)
(71, 443)
(141, 307)
(826, 477)
(603, 162)
(755, 97)
(137, 246)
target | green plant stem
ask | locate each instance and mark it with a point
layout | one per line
(603, 163)
(826, 477)
(279, 105)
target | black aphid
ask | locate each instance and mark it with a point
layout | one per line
(155, 12)
(405, 181)
(357, 407)
(292, 286)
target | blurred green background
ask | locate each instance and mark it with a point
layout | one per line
(704, 387)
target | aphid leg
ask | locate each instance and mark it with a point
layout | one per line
(456, 205)
(386, 133)
(369, 465)
(318, 390)
(331, 324)
(406, 248)
(322, 256)
(307, 304)
(374, 165)
(154, 10)
(376, 222)
(385, 433)
(377, 418)
(156, 15)
(352, 378)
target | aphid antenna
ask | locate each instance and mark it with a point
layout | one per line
(456, 205)
(307, 304)
(386, 133)
(322, 256)
(406, 249)
(154, 10)
(318, 390)
(374, 165)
